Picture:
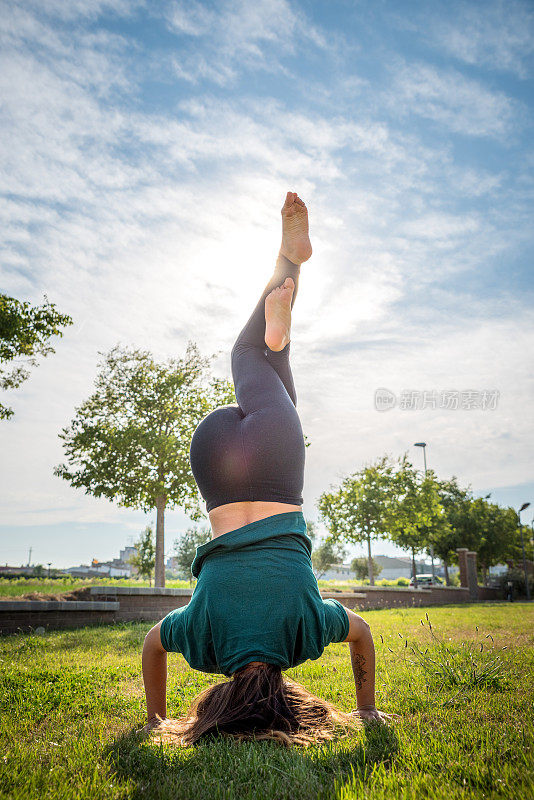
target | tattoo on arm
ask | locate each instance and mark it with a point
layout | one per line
(358, 662)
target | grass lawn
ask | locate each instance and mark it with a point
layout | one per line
(71, 702)
(18, 588)
(57, 588)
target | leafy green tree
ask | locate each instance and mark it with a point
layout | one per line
(417, 510)
(454, 529)
(323, 557)
(497, 532)
(185, 548)
(145, 556)
(129, 441)
(475, 523)
(25, 331)
(359, 510)
(311, 530)
(360, 567)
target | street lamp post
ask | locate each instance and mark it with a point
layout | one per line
(525, 505)
(423, 445)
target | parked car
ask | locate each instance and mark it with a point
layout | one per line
(426, 579)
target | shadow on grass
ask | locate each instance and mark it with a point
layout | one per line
(224, 768)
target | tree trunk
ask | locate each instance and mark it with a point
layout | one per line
(446, 570)
(371, 573)
(414, 570)
(485, 574)
(159, 576)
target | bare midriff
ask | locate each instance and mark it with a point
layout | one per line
(231, 516)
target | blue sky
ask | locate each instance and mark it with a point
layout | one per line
(145, 152)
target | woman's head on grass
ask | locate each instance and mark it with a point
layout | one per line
(258, 702)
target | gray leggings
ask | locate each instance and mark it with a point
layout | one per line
(254, 450)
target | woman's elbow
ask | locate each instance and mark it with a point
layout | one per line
(152, 641)
(358, 627)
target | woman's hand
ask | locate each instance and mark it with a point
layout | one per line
(150, 724)
(372, 714)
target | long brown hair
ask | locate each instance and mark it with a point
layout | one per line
(257, 703)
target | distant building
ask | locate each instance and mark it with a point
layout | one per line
(115, 568)
(6, 571)
(110, 569)
(338, 572)
(393, 567)
(126, 554)
(172, 564)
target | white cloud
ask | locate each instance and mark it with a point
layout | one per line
(460, 104)
(241, 36)
(498, 35)
(80, 9)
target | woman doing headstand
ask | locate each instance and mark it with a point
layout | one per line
(256, 609)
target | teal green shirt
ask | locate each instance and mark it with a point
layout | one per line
(256, 599)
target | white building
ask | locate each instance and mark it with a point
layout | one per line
(393, 567)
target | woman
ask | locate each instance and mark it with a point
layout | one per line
(256, 608)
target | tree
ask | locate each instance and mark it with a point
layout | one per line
(360, 567)
(145, 556)
(497, 531)
(25, 331)
(129, 441)
(328, 553)
(474, 523)
(417, 510)
(360, 509)
(186, 545)
(454, 529)
(311, 530)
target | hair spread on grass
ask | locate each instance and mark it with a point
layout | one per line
(257, 703)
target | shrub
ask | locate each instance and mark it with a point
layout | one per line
(517, 578)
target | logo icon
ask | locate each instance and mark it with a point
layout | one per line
(384, 399)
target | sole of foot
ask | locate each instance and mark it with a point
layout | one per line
(296, 245)
(278, 316)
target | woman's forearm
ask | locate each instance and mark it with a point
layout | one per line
(362, 656)
(155, 679)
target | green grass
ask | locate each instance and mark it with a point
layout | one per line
(26, 587)
(21, 587)
(71, 701)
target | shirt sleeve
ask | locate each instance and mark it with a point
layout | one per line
(336, 621)
(172, 631)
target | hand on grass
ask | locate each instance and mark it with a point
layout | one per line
(372, 714)
(152, 723)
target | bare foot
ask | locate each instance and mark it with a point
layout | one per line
(296, 243)
(278, 315)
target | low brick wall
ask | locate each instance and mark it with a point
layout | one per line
(110, 604)
(370, 597)
(142, 604)
(25, 615)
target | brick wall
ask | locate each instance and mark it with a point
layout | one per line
(370, 597)
(25, 615)
(142, 604)
(128, 604)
